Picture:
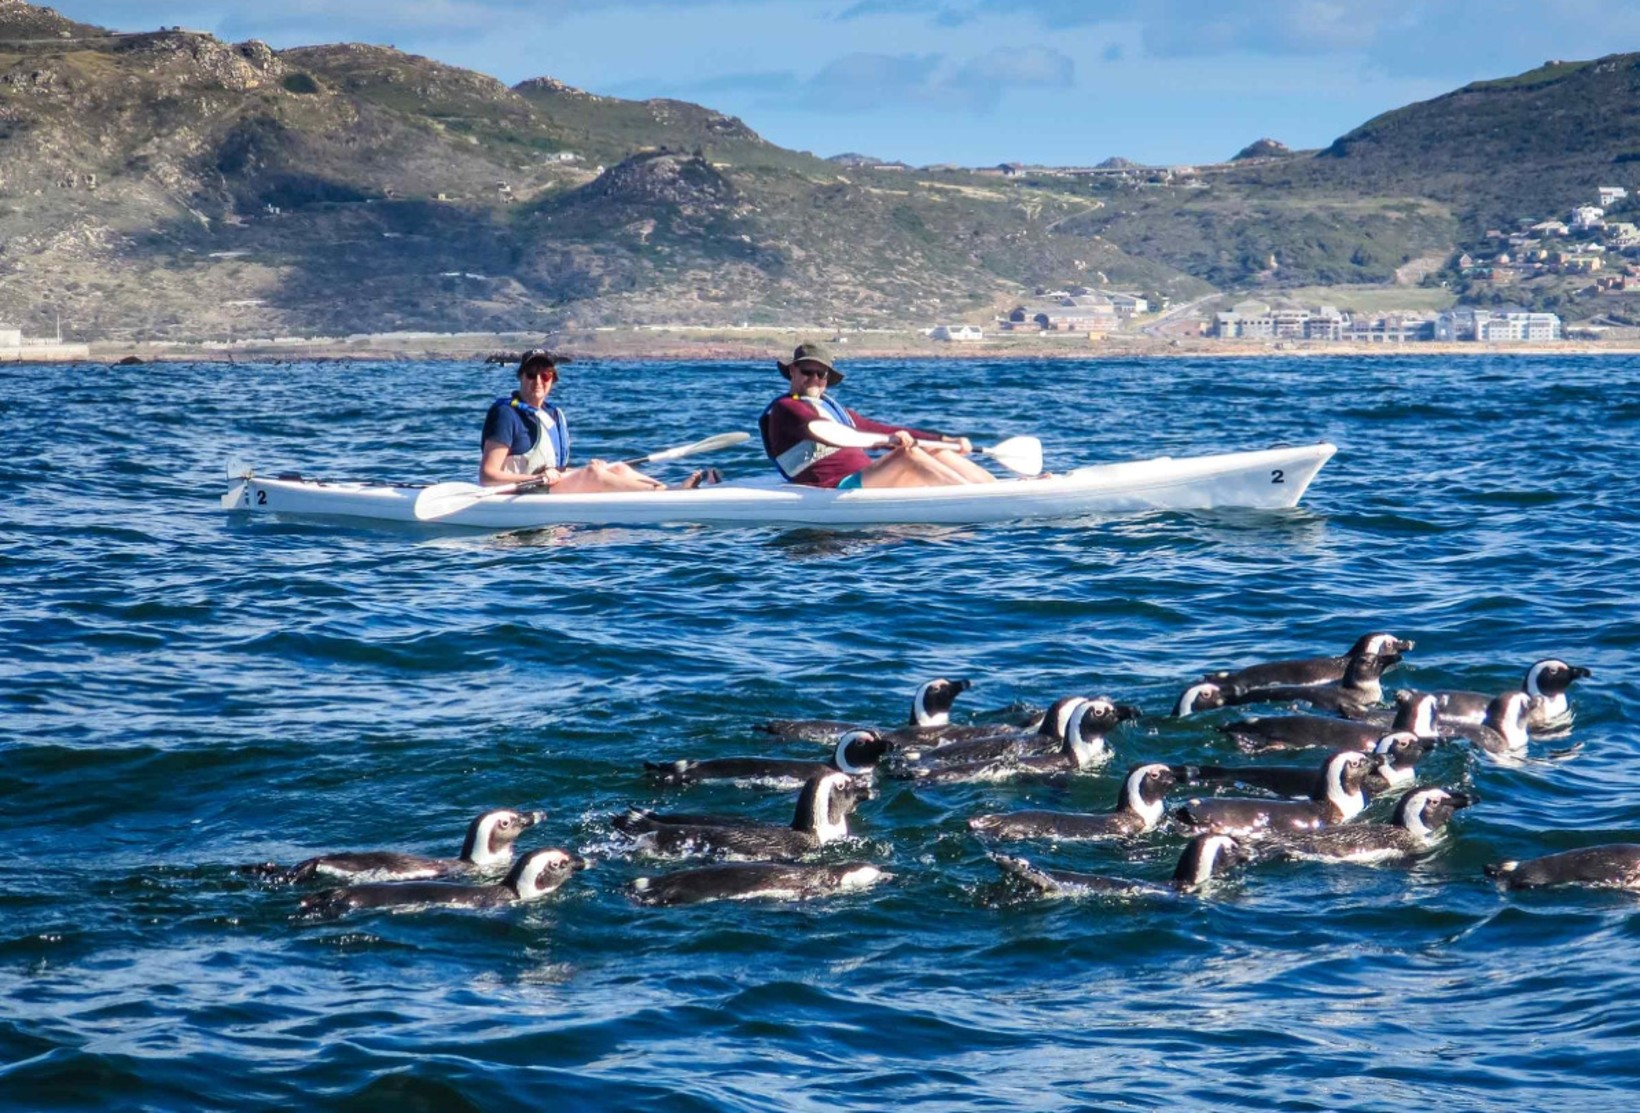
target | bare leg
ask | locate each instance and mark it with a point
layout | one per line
(910, 467)
(962, 465)
(598, 476)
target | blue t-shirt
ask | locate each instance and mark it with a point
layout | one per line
(507, 424)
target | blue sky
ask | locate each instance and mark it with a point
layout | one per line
(974, 82)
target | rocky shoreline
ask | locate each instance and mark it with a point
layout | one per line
(631, 345)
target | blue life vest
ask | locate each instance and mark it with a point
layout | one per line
(550, 446)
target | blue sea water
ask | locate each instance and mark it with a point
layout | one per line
(182, 692)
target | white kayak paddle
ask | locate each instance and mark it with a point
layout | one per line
(443, 499)
(1017, 454)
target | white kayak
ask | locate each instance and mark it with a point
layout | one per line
(1268, 479)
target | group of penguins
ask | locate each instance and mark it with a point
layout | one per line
(1351, 748)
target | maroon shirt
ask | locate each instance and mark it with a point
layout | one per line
(786, 424)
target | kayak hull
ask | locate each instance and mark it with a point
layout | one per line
(1267, 479)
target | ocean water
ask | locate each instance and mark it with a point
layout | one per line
(182, 692)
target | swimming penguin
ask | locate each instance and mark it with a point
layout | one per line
(488, 846)
(1355, 694)
(532, 877)
(1048, 735)
(1139, 807)
(1400, 752)
(1084, 749)
(821, 818)
(754, 881)
(1201, 696)
(1205, 857)
(1613, 865)
(1340, 799)
(1548, 679)
(1414, 714)
(1419, 821)
(857, 754)
(1502, 734)
(1311, 670)
(930, 710)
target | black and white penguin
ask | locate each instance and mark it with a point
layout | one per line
(1355, 694)
(1414, 714)
(488, 847)
(1140, 806)
(1083, 750)
(821, 818)
(1309, 671)
(1613, 865)
(1546, 680)
(532, 877)
(1502, 733)
(1205, 858)
(1201, 696)
(1400, 752)
(1048, 735)
(754, 881)
(858, 753)
(1419, 821)
(930, 711)
(1341, 797)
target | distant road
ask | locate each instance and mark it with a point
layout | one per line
(1154, 329)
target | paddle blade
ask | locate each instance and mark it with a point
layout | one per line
(443, 499)
(1018, 454)
(709, 444)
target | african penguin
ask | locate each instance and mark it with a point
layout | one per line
(1311, 670)
(1419, 821)
(532, 877)
(821, 818)
(1205, 858)
(1139, 807)
(1341, 799)
(1414, 713)
(857, 754)
(754, 881)
(1548, 679)
(1613, 865)
(488, 847)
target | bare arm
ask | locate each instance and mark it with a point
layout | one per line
(492, 470)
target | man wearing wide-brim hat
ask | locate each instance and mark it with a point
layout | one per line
(917, 457)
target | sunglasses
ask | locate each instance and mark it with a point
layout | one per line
(546, 373)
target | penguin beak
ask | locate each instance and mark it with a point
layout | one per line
(578, 863)
(530, 819)
(1457, 800)
(1579, 672)
(1127, 713)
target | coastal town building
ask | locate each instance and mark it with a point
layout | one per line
(17, 348)
(956, 332)
(1495, 326)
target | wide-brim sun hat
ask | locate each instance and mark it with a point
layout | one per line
(813, 352)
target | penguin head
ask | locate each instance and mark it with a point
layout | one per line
(1203, 696)
(931, 706)
(859, 751)
(1552, 677)
(490, 837)
(1206, 857)
(1427, 810)
(541, 871)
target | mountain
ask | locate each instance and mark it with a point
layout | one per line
(168, 185)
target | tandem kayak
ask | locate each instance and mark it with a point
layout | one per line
(1267, 479)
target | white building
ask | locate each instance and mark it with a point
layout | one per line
(957, 332)
(1587, 217)
(1520, 326)
(1610, 195)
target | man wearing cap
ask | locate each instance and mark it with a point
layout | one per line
(525, 436)
(805, 457)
